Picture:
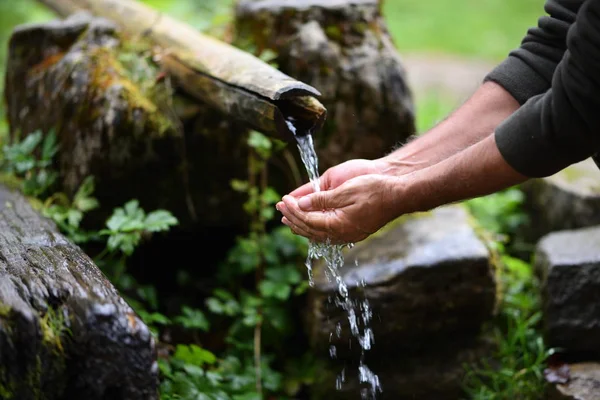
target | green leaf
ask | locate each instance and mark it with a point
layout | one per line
(270, 196)
(156, 318)
(193, 319)
(49, 146)
(276, 290)
(260, 143)
(133, 210)
(194, 355)
(239, 186)
(124, 242)
(29, 143)
(117, 220)
(285, 274)
(74, 217)
(159, 220)
(82, 199)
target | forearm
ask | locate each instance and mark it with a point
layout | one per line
(476, 171)
(472, 122)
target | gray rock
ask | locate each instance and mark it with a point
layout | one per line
(344, 49)
(569, 199)
(428, 279)
(583, 384)
(568, 263)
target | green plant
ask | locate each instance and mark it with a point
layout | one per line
(128, 224)
(67, 213)
(32, 164)
(258, 283)
(516, 369)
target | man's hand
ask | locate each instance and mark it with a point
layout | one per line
(335, 176)
(361, 206)
(347, 213)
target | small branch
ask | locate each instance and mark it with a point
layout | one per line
(257, 357)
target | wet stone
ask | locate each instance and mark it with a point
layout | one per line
(568, 263)
(430, 285)
(343, 48)
(569, 199)
(427, 277)
(583, 384)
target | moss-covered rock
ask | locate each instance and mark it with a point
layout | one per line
(65, 333)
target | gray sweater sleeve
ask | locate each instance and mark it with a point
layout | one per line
(528, 70)
(560, 126)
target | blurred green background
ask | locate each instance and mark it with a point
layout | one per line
(472, 29)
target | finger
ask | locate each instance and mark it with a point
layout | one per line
(295, 228)
(303, 190)
(293, 214)
(317, 223)
(320, 201)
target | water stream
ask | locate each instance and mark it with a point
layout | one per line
(358, 312)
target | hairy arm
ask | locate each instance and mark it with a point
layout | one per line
(525, 73)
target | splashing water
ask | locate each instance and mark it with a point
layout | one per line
(359, 312)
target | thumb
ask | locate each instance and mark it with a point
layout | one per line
(318, 201)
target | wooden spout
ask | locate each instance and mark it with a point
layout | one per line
(229, 79)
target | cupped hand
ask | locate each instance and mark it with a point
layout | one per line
(337, 175)
(348, 213)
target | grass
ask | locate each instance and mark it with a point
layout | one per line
(486, 29)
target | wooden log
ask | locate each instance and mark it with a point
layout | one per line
(65, 333)
(343, 48)
(231, 80)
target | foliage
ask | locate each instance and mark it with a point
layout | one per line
(30, 161)
(516, 370)
(67, 213)
(249, 367)
(128, 224)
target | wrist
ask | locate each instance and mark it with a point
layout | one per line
(395, 165)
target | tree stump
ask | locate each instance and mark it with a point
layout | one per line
(65, 333)
(342, 48)
(118, 118)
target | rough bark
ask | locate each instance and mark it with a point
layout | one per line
(343, 48)
(65, 333)
(229, 79)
